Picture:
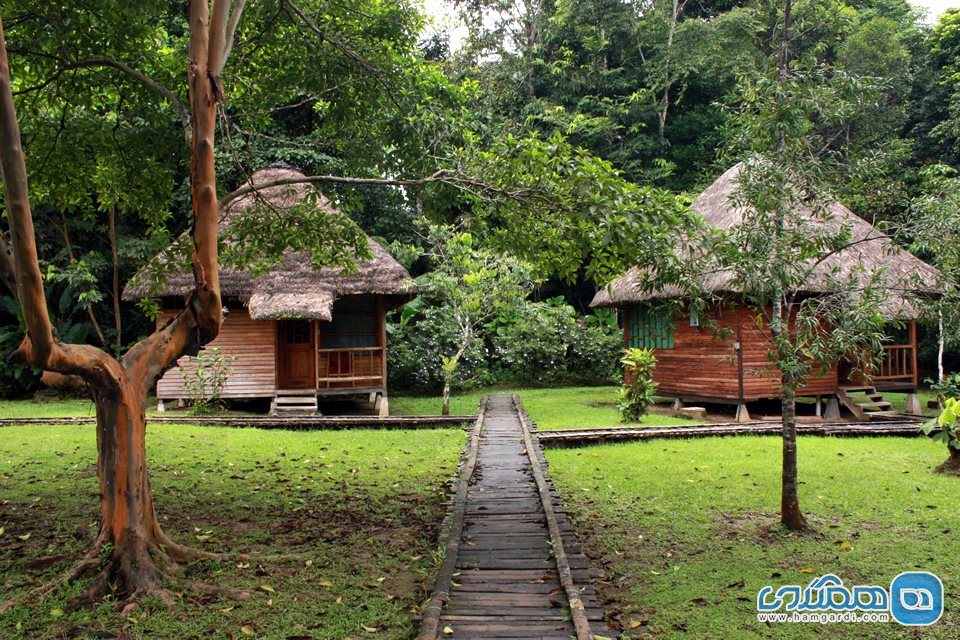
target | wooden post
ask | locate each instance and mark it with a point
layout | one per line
(913, 346)
(382, 325)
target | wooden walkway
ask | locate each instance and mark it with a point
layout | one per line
(281, 422)
(581, 437)
(513, 568)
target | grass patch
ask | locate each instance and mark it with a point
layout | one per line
(354, 513)
(41, 407)
(899, 401)
(688, 531)
(562, 408)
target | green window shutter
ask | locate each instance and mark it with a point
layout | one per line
(649, 329)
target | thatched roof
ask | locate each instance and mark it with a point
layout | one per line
(293, 289)
(904, 274)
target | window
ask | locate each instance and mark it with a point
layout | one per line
(298, 331)
(649, 328)
(354, 324)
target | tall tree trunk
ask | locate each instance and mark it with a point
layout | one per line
(445, 405)
(142, 557)
(790, 514)
(117, 321)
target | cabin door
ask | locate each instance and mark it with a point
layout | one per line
(296, 355)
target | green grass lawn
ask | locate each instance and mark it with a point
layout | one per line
(688, 531)
(561, 408)
(899, 401)
(356, 515)
(41, 407)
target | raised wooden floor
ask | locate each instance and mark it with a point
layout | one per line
(510, 578)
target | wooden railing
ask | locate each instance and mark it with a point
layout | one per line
(347, 368)
(898, 363)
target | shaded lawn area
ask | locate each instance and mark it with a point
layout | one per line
(353, 515)
(47, 408)
(688, 530)
(560, 408)
(899, 401)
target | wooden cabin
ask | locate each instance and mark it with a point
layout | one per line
(722, 358)
(296, 333)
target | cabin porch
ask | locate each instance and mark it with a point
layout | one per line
(724, 361)
(346, 355)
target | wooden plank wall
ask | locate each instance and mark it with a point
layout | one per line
(702, 365)
(755, 348)
(699, 363)
(253, 342)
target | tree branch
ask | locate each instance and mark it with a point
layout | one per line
(135, 75)
(40, 348)
(218, 36)
(389, 182)
(344, 49)
(232, 29)
(22, 238)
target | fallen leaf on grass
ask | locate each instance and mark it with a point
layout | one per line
(227, 610)
(845, 545)
(807, 570)
(267, 588)
(24, 537)
(369, 629)
(325, 583)
(247, 630)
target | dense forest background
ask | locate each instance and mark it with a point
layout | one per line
(633, 94)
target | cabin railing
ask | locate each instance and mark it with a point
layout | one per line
(349, 368)
(897, 364)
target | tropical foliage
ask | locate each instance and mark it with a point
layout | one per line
(638, 394)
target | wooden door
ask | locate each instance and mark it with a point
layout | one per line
(296, 355)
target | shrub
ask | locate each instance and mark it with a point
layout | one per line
(549, 342)
(531, 343)
(416, 345)
(206, 378)
(949, 387)
(638, 395)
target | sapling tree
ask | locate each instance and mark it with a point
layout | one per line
(786, 128)
(933, 228)
(638, 392)
(473, 285)
(205, 377)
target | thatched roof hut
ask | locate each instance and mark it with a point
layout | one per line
(872, 252)
(296, 332)
(293, 289)
(732, 365)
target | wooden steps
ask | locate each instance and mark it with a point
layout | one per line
(866, 404)
(295, 402)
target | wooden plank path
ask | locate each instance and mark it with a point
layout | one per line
(580, 437)
(513, 568)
